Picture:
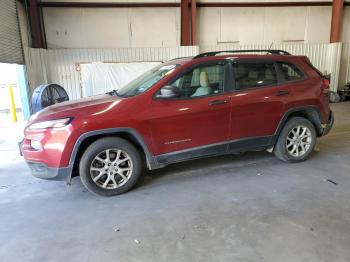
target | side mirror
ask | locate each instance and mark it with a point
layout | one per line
(168, 91)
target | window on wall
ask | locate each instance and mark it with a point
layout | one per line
(249, 75)
(290, 72)
(203, 80)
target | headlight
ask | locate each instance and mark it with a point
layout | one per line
(51, 123)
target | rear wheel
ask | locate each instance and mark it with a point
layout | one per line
(110, 166)
(296, 141)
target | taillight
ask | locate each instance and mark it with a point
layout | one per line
(325, 86)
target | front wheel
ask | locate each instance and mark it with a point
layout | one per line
(296, 141)
(110, 166)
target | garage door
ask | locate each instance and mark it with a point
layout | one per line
(10, 38)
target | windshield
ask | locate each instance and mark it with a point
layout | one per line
(146, 80)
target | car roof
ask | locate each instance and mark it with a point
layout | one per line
(194, 60)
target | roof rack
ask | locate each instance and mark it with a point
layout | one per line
(270, 51)
(176, 58)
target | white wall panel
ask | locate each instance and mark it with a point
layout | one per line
(136, 27)
(284, 24)
(318, 24)
(264, 25)
(155, 27)
(208, 26)
(243, 25)
(346, 25)
(111, 27)
(60, 65)
(86, 28)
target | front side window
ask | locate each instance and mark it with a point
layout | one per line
(204, 80)
(290, 72)
(250, 75)
(146, 80)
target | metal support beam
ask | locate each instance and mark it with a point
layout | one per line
(35, 22)
(193, 22)
(100, 4)
(264, 4)
(337, 20)
(185, 23)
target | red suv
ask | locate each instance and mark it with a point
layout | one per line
(212, 104)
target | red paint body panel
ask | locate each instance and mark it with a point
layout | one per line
(172, 125)
(257, 112)
(182, 124)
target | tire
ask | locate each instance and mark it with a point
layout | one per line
(284, 147)
(122, 173)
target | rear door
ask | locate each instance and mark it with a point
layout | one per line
(194, 118)
(259, 99)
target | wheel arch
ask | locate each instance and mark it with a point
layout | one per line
(309, 112)
(128, 134)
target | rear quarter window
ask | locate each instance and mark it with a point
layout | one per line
(318, 72)
(291, 72)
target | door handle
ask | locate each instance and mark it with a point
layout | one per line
(282, 93)
(217, 102)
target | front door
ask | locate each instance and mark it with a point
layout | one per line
(198, 117)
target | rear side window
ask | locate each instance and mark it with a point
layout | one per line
(250, 75)
(290, 72)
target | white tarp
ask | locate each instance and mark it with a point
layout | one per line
(99, 78)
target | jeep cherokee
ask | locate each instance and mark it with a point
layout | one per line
(212, 104)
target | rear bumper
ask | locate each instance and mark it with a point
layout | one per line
(327, 127)
(40, 170)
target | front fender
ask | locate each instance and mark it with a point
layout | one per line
(150, 159)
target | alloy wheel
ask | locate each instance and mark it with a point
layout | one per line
(111, 168)
(299, 141)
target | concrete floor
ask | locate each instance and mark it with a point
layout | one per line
(216, 209)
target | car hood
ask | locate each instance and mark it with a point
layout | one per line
(75, 108)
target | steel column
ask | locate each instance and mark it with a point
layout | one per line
(185, 23)
(193, 22)
(35, 23)
(337, 20)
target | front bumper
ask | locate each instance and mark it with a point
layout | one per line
(40, 170)
(327, 127)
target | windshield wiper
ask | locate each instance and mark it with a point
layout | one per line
(114, 92)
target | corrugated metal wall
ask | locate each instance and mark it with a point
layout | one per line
(326, 57)
(344, 65)
(60, 65)
(10, 36)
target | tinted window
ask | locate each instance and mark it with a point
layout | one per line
(248, 75)
(203, 80)
(290, 72)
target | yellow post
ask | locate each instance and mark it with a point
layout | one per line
(12, 105)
